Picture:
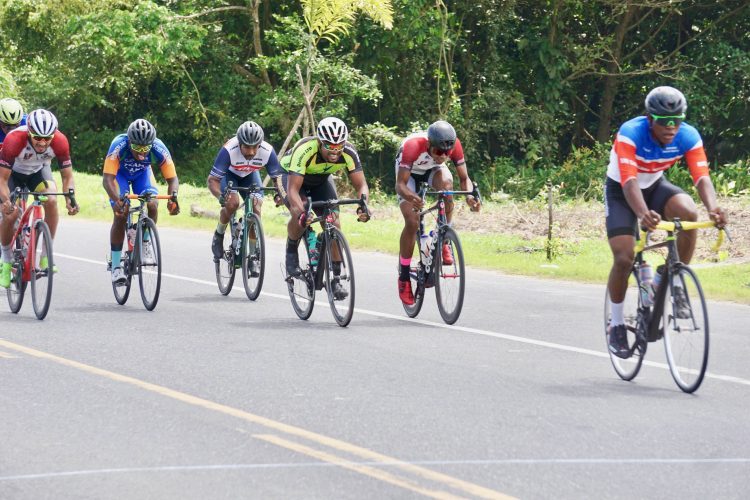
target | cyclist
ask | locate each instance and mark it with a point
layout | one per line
(239, 161)
(11, 117)
(636, 191)
(128, 163)
(25, 160)
(306, 173)
(421, 158)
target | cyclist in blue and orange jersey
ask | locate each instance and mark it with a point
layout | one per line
(307, 174)
(11, 117)
(128, 163)
(25, 161)
(637, 193)
(239, 161)
(422, 158)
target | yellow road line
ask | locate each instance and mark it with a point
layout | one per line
(455, 483)
(362, 469)
(6, 355)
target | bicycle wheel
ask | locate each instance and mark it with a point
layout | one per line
(416, 271)
(302, 288)
(41, 272)
(122, 292)
(149, 266)
(339, 276)
(686, 330)
(627, 369)
(17, 284)
(253, 257)
(450, 279)
(225, 270)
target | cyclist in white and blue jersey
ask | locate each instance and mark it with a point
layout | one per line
(11, 117)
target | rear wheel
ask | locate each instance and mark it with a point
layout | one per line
(450, 281)
(339, 276)
(302, 287)
(253, 257)
(225, 268)
(627, 369)
(122, 291)
(17, 284)
(42, 271)
(686, 329)
(149, 263)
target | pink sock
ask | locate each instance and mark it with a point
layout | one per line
(405, 261)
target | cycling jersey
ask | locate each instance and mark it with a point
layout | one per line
(636, 154)
(18, 154)
(231, 159)
(3, 134)
(305, 159)
(120, 159)
(414, 154)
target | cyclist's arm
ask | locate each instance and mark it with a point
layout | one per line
(294, 184)
(708, 195)
(68, 183)
(633, 195)
(4, 190)
(214, 186)
(360, 184)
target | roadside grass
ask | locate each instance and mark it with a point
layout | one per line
(583, 260)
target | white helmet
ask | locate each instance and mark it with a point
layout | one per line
(332, 130)
(41, 122)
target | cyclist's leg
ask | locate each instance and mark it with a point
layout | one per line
(294, 231)
(441, 178)
(231, 202)
(142, 184)
(671, 201)
(7, 224)
(117, 231)
(408, 240)
(255, 180)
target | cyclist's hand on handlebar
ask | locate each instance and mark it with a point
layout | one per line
(120, 206)
(72, 209)
(416, 202)
(172, 206)
(222, 201)
(302, 220)
(650, 219)
(363, 214)
(474, 204)
(8, 207)
(719, 216)
(278, 200)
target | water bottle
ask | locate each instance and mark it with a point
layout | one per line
(656, 282)
(647, 276)
(236, 240)
(425, 248)
(131, 238)
(312, 245)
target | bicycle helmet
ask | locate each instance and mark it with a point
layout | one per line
(332, 130)
(11, 111)
(666, 101)
(250, 134)
(41, 122)
(441, 135)
(141, 132)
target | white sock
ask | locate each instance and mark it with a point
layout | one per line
(618, 317)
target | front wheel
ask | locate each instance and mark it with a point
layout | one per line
(302, 287)
(17, 284)
(149, 263)
(253, 257)
(225, 269)
(450, 276)
(685, 324)
(42, 271)
(635, 326)
(339, 276)
(122, 290)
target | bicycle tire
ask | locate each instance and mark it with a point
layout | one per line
(253, 253)
(122, 292)
(17, 286)
(450, 279)
(149, 274)
(627, 369)
(302, 288)
(686, 340)
(342, 306)
(416, 276)
(42, 279)
(225, 269)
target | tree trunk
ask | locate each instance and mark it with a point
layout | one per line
(256, 40)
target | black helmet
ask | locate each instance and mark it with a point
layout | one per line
(666, 101)
(441, 135)
(250, 134)
(141, 132)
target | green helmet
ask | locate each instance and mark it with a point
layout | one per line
(11, 111)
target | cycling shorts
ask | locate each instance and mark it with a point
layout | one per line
(428, 176)
(140, 182)
(244, 182)
(315, 187)
(38, 181)
(621, 219)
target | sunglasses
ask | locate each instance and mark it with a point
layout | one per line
(334, 148)
(42, 138)
(668, 121)
(140, 149)
(441, 152)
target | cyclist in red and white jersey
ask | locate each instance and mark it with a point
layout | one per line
(25, 160)
(421, 158)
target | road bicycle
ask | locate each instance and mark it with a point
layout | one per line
(682, 323)
(140, 232)
(246, 249)
(334, 270)
(430, 269)
(33, 259)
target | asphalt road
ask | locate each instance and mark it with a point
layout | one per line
(218, 397)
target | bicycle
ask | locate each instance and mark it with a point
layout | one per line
(140, 230)
(247, 248)
(449, 279)
(334, 269)
(33, 260)
(686, 339)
